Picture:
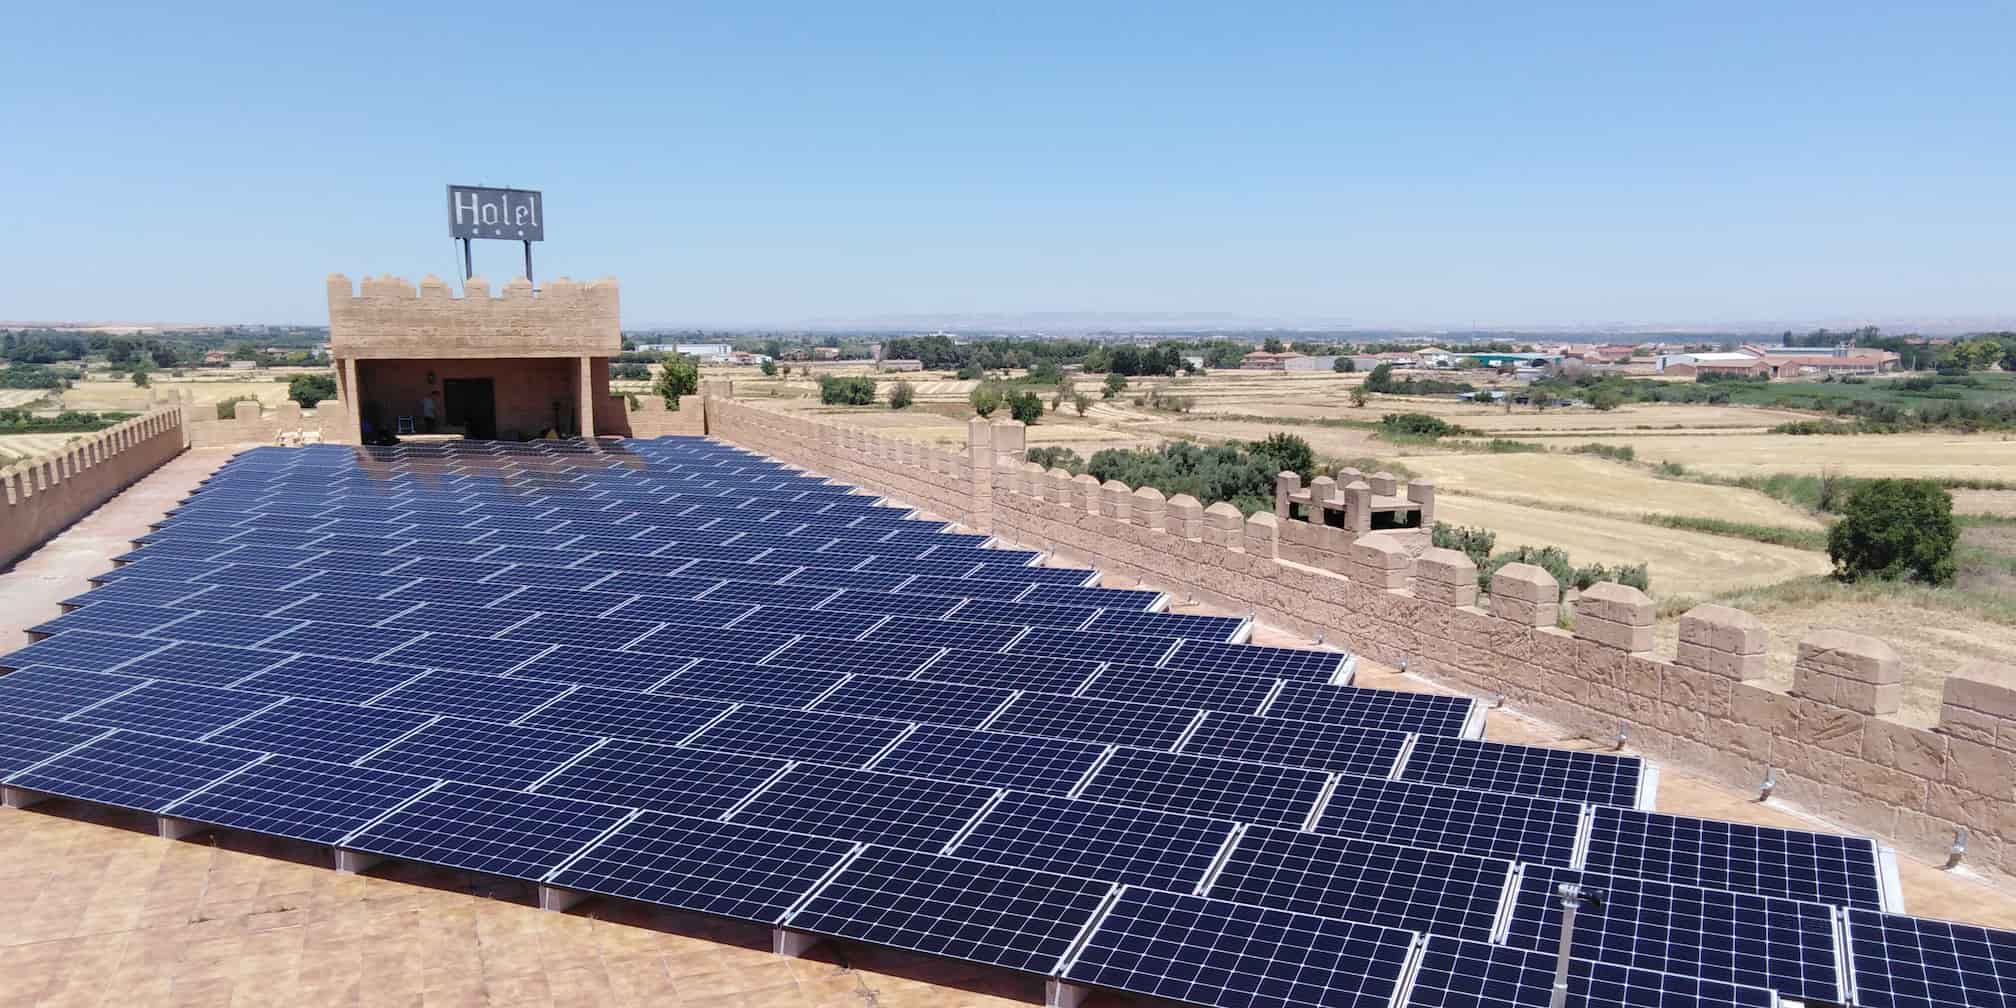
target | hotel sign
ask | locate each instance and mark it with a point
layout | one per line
(507, 214)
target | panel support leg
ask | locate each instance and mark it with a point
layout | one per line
(351, 862)
(171, 828)
(14, 797)
(791, 944)
(556, 899)
(1059, 994)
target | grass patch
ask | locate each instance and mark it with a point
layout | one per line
(1989, 605)
(1615, 453)
(1776, 535)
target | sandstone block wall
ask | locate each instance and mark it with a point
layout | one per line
(253, 423)
(42, 496)
(1835, 751)
(390, 317)
(651, 419)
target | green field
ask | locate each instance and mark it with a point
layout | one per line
(1980, 388)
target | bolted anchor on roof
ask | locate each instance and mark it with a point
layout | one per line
(1769, 785)
(1958, 852)
(1623, 734)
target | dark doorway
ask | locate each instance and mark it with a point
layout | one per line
(470, 403)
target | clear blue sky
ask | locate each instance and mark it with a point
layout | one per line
(1373, 163)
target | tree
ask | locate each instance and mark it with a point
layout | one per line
(630, 372)
(1116, 383)
(309, 389)
(769, 368)
(846, 391)
(1081, 402)
(986, 398)
(140, 376)
(679, 376)
(901, 395)
(1895, 528)
(1359, 396)
(1272, 345)
(1026, 407)
(1344, 365)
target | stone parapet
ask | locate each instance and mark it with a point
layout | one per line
(388, 317)
(43, 495)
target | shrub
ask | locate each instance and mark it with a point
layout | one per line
(1359, 396)
(1081, 402)
(901, 395)
(1894, 528)
(630, 372)
(1116, 383)
(1344, 365)
(679, 376)
(1813, 427)
(1417, 425)
(1475, 543)
(835, 391)
(309, 389)
(769, 369)
(1056, 458)
(228, 408)
(1286, 453)
(970, 372)
(1615, 453)
(1026, 407)
(986, 398)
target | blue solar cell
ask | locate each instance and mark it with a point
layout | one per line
(602, 631)
(687, 613)
(1534, 830)
(354, 609)
(252, 575)
(1253, 659)
(624, 714)
(1841, 870)
(664, 778)
(711, 642)
(1597, 778)
(1211, 952)
(823, 623)
(945, 572)
(26, 741)
(143, 591)
(225, 628)
(776, 686)
(493, 655)
(330, 679)
(132, 770)
(1914, 962)
(447, 617)
(210, 664)
(319, 729)
(472, 695)
(864, 581)
(112, 617)
(1162, 624)
(301, 799)
(1228, 789)
(946, 580)
(993, 759)
(1146, 684)
(267, 556)
(944, 633)
(174, 709)
(339, 640)
(1433, 892)
(473, 593)
(915, 700)
(1468, 974)
(1076, 577)
(83, 650)
(1116, 843)
(344, 582)
(724, 869)
(551, 585)
(853, 656)
(925, 902)
(626, 670)
(1087, 645)
(510, 834)
(483, 753)
(1425, 713)
(1346, 748)
(729, 570)
(819, 737)
(1736, 938)
(1093, 720)
(353, 563)
(1117, 599)
(659, 585)
(1010, 671)
(1021, 614)
(910, 812)
(230, 599)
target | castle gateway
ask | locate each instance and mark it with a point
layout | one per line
(521, 366)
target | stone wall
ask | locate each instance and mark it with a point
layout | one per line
(252, 423)
(42, 496)
(1831, 738)
(390, 317)
(651, 419)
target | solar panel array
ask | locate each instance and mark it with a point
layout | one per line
(674, 672)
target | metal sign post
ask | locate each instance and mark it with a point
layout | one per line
(504, 214)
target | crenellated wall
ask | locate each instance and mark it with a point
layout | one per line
(252, 423)
(42, 496)
(1836, 750)
(389, 317)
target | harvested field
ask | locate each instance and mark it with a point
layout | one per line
(208, 388)
(1581, 420)
(1931, 454)
(1992, 502)
(1681, 562)
(1589, 482)
(15, 447)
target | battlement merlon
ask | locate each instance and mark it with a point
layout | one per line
(390, 318)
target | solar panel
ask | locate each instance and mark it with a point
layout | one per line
(1254, 659)
(550, 588)
(1118, 599)
(915, 700)
(319, 729)
(825, 738)
(1145, 684)
(82, 649)
(1795, 864)
(944, 633)
(26, 741)
(132, 770)
(1470, 974)
(111, 617)
(1597, 778)
(344, 609)
(670, 586)
(1116, 843)
(821, 622)
(729, 570)
(993, 759)
(494, 655)
(936, 578)
(229, 599)
(624, 714)
(627, 670)
(225, 628)
(1361, 880)
(1735, 938)
(1229, 789)
(510, 834)
(1423, 713)
(1095, 720)
(346, 582)
(600, 632)
(1211, 952)
(759, 593)
(331, 679)
(668, 779)
(855, 656)
(1162, 624)
(301, 799)
(725, 869)
(1009, 671)
(177, 710)
(472, 695)
(1535, 830)
(1091, 646)
(448, 617)
(760, 684)
(1345, 748)
(866, 582)
(873, 807)
(1916, 962)
(709, 642)
(1008, 917)
(251, 575)
(142, 591)
(335, 640)
(482, 753)
(1023, 614)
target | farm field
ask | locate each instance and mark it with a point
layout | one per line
(98, 394)
(1990, 502)
(1593, 483)
(1926, 454)
(15, 447)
